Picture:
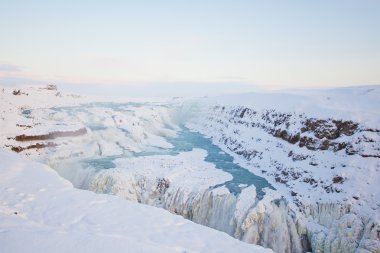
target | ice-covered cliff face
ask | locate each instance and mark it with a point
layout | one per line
(184, 184)
(41, 212)
(325, 160)
(92, 130)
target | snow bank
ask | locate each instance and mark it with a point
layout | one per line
(351, 103)
(41, 212)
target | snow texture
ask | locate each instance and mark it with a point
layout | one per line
(41, 212)
(320, 149)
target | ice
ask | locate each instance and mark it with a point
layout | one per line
(183, 184)
(324, 200)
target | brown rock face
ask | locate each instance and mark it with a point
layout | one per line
(287, 137)
(19, 149)
(315, 133)
(52, 135)
(329, 129)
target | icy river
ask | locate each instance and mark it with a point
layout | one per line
(188, 140)
(144, 152)
(185, 141)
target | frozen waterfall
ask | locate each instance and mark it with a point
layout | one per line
(265, 222)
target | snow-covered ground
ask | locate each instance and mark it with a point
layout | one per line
(301, 143)
(42, 212)
(319, 149)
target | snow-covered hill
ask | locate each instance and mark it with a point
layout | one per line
(320, 149)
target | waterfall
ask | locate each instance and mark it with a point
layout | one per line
(266, 222)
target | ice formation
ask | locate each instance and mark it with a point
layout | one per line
(41, 212)
(183, 184)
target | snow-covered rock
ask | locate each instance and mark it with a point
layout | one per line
(320, 149)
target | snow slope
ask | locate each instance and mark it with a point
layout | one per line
(41, 212)
(320, 149)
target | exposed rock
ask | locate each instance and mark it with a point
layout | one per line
(283, 134)
(329, 129)
(309, 143)
(24, 126)
(162, 185)
(19, 149)
(51, 87)
(17, 92)
(338, 179)
(52, 135)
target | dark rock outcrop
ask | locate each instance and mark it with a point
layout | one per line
(19, 149)
(52, 135)
(313, 134)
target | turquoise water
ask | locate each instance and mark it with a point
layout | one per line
(102, 163)
(185, 141)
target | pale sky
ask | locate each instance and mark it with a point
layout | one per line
(281, 44)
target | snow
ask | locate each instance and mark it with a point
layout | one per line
(221, 124)
(145, 179)
(335, 214)
(307, 208)
(184, 184)
(355, 103)
(147, 126)
(41, 212)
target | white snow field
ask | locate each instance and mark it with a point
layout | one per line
(41, 212)
(294, 171)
